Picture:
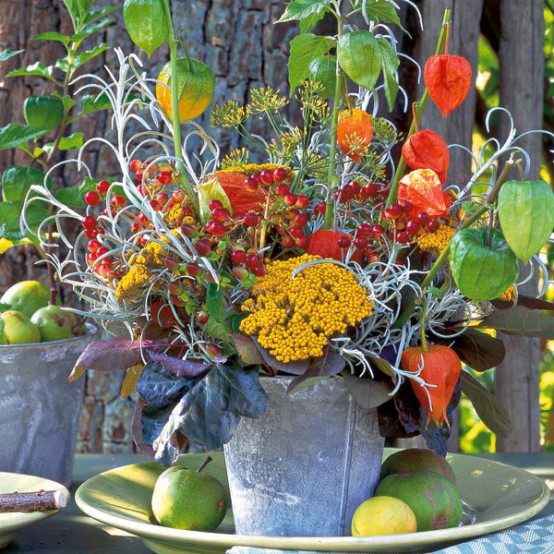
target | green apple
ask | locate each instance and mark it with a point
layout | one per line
(187, 499)
(26, 297)
(53, 323)
(17, 328)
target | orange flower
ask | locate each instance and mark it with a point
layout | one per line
(325, 243)
(354, 133)
(423, 189)
(448, 80)
(441, 368)
(241, 199)
(427, 150)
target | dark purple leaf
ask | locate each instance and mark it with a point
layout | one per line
(436, 437)
(292, 368)
(247, 350)
(521, 321)
(114, 354)
(368, 393)
(178, 367)
(399, 417)
(494, 416)
(479, 350)
(207, 412)
(331, 363)
(161, 388)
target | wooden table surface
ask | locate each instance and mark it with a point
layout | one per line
(71, 532)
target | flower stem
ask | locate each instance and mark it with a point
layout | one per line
(177, 145)
(331, 178)
(418, 113)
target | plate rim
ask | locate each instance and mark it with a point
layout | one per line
(338, 544)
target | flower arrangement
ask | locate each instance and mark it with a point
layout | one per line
(329, 256)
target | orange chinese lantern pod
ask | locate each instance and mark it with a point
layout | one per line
(441, 367)
(241, 199)
(326, 243)
(423, 189)
(354, 133)
(427, 150)
(448, 80)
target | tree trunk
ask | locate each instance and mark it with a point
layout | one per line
(522, 68)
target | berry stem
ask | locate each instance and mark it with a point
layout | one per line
(418, 113)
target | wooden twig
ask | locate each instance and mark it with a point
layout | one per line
(37, 501)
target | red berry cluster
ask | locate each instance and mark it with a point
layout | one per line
(407, 224)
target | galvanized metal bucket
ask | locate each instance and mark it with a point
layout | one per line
(306, 464)
(40, 408)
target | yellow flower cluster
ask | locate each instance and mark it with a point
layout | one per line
(509, 295)
(131, 286)
(436, 242)
(249, 169)
(293, 318)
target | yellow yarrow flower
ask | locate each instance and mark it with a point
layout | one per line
(509, 295)
(436, 242)
(142, 267)
(294, 318)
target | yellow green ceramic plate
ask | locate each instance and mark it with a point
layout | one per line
(10, 523)
(500, 496)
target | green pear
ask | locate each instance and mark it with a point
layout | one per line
(187, 499)
(17, 328)
(53, 323)
(26, 297)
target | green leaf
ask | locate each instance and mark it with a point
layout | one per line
(482, 263)
(93, 15)
(146, 23)
(390, 63)
(494, 416)
(324, 71)
(53, 35)
(78, 10)
(86, 56)
(304, 49)
(479, 350)
(302, 9)
(35, 69)
(72, 142)
(311, 21)
(360, 57)
(95, 103)
(10, 212)
(526, 213)
(73, 196)
(94, 27)
(382, 11)
(43, 112)
(521, 321)
(13, 135)
(17, 180)
(7, 54)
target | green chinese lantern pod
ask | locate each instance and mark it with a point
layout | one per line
(482, 263)
(526, 213)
